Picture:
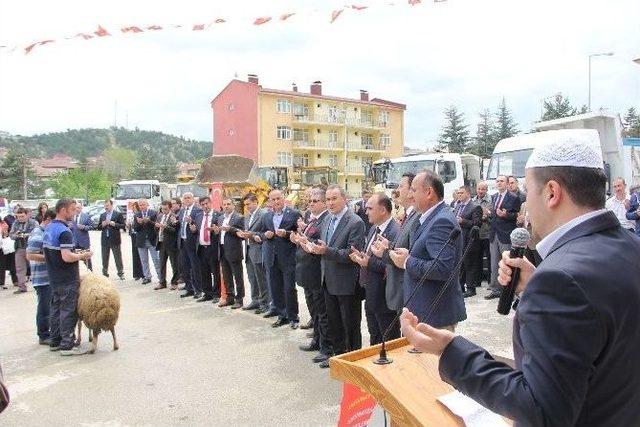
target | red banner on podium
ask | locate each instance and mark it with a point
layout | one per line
(356, 407)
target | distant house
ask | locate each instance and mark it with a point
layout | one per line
(48, 167)
(190, 169)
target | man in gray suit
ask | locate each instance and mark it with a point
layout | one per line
(339, 233)
(395, 276)
(253, 259)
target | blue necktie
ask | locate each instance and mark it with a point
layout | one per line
(331, 228)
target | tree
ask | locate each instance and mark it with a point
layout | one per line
(145, 164)
(631, 123)
(506, 126)
(455, 135)
(18, 176)
(80, 183)
(484, 141)
(560, 107)
(118, 163)
(168, 172)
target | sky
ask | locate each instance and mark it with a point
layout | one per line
(468, 53)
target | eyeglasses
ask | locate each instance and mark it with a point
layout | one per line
(314, 201)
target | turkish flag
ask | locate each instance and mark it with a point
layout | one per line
(198, 27)
(131, 30)
(356, 407)
(262, 20)
(335, 14)
(101, 32)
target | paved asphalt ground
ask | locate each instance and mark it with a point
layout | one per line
(183, 363)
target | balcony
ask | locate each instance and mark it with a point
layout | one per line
(318, 119)
(317, 144)
(354, 169)
(365, 148)
(366, 123)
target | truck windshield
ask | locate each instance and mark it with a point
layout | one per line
(195, 189)
(508, 163)
(396, 170)
(133, 191)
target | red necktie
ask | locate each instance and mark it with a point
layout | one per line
(206, 236)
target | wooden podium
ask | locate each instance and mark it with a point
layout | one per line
(407, 388)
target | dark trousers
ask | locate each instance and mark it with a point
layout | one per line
(483, 251)
(210, 266)
(258, 280)
(282, 275)
(378, 322)
(472, 265)
(63, 317)
(344, 313)
(43, 311)
(233, 277)
(191, 272)
(7, 263)
(172, 257)
(117, 257)
(318, 311)
(135, 257)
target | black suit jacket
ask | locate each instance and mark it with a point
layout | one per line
(308, 269)
(146, 231)
(471, 217)
(169, 235)
(280, 246)
(361, 211)
(576, 337)
(191, 241)
(213, 250)
(502, 227)
(373, 278)
(114, 231)
(232, 244)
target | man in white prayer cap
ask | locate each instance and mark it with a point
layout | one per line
(576, 331)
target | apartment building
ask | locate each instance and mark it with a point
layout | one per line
(301, 130)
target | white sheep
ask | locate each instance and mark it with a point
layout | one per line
(98, 308)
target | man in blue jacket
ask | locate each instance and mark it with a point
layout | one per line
(80, 228)
(633, 213)
(576, 332)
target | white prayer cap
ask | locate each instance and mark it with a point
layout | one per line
(578, 148)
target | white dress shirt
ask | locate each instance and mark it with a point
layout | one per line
(225, 223)
(206, 222)
(618, 207)
(382, 227)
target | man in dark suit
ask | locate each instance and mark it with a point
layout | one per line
(111, 224)
(280, 258)
(340, 231)
(189, 216)
(432, 235)
(80, 228)
(514, 187)
(360, 208)
(372, 270)
(167, 245)
(144, 223)
(230, 227)
(469, 215)
(253, 256)
(309, 272)
(503, 218)
(577, 326)
(209, 252)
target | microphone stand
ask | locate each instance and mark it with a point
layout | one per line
(383, 359)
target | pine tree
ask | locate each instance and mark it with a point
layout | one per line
(560, 107)
(15, 168)
(631, 123)
(455, 135)
(145, 164)
(168, 172)
(484, 141)
(506, 126)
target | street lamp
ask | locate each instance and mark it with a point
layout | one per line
(591, 56)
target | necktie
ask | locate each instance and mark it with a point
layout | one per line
(498, 201)
(206, 237)
(312, 222)
(458, 209)
(331, 228)
(376, 233)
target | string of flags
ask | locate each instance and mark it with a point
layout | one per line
(262, 20)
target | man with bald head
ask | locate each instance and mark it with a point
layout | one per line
(279, 255)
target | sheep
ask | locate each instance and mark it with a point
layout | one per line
(98, 308)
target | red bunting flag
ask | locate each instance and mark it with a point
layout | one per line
(356, 7)
(29, 48)
(286, 16)
(101, 32)
(219, 21)
(335, 14)
(414, 2)
(84, 36)
(154, 27)
(262, 20)
(198, 27)
(131, 30)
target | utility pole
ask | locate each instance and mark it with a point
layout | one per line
(25, 194)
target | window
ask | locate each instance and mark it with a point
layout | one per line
(333, 115)
(366, 117)
(283, 106)
(508, 163)
(333, 137)
(446, 170)
(301, 135)
(284, 132)
(367, 141)
(333, 160)
(384, 118)
(232, 107)
(300, 110)
(301, 160)
(284, 158)
(385, 141)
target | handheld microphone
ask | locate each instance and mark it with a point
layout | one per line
(519, 239)
(383, 359)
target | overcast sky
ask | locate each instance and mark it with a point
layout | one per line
(469, 53)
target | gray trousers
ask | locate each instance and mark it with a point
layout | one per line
(63, 317)
(258, 280)
(496, 248)
(144, 259)
(21, 268)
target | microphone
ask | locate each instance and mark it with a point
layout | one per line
(383, 359)
(519, 239)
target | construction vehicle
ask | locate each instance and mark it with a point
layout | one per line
(127, 192)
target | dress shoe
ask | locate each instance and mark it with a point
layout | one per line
(145, 281)
(226, 303)
(237, 305)
(44, 341)
(182, 288)
(252, 306)
(105, 274)
(310, 334)
(269, 313)
(308, 325)
(311, 347)
(492, 295)
(204, 298)
(260, 310)
(295, 324)
(20, 291)
(3, 287)
(215, 300)
(198, 295)
(320, 358)
(121, 276)
(186, 294)
(173, 287)
(470, 292)
(279, 322)
(159, 286)
(324, 365)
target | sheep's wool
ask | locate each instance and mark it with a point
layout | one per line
(98, 302)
